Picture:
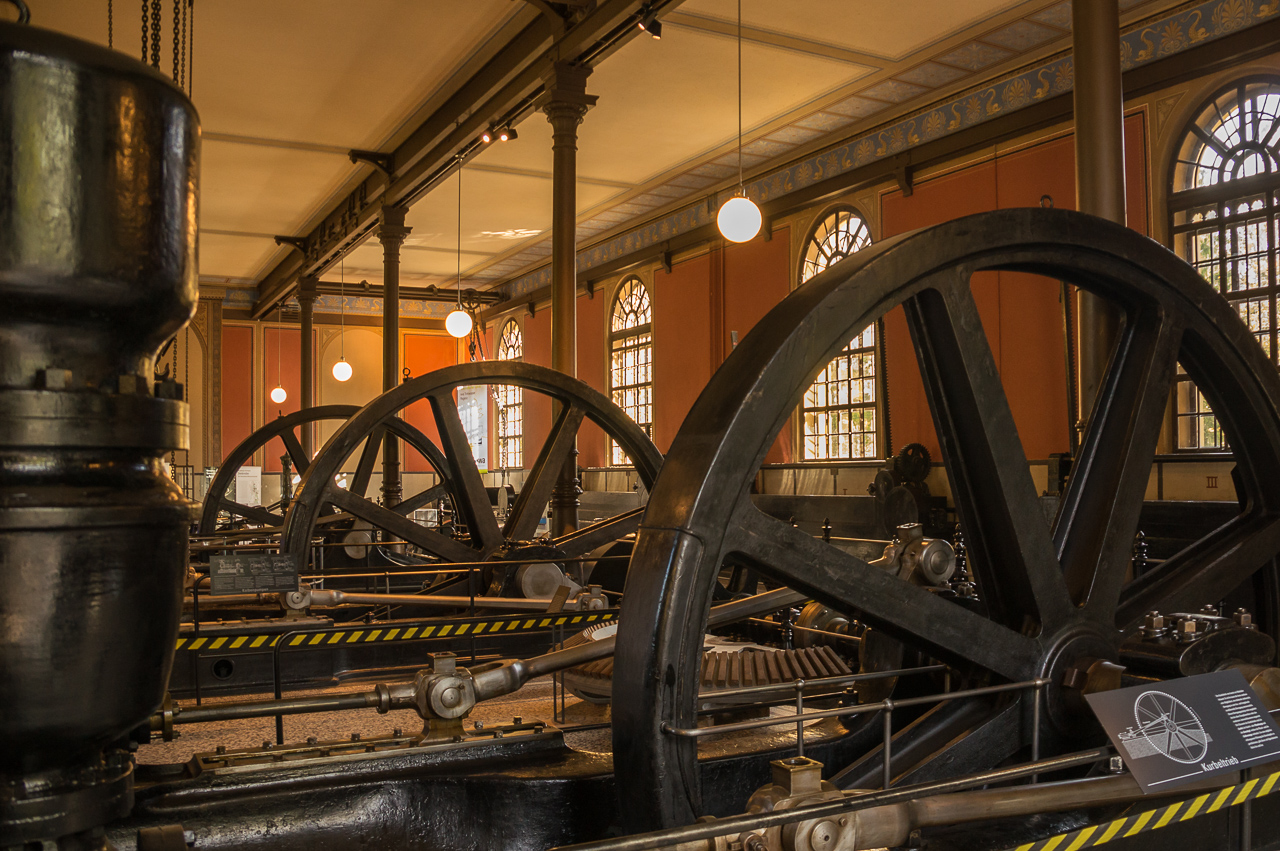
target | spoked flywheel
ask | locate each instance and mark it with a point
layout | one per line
(486, 537)
(1054, 595)
(221, 513)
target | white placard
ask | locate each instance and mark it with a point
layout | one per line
(249, 486)
(473, 406)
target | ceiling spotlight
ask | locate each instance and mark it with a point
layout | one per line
(458, 323)
(487, 136)
(649, 23)
(508, 134)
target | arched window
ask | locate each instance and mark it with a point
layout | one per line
(509, 402)
(1224, 201)
(631, 359)
(839, 410)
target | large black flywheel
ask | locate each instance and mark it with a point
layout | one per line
(221, 513)
(1054, 595)
(487, 537)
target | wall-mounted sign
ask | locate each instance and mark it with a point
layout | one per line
(249, 486)
(473, 407)
(1179, 731)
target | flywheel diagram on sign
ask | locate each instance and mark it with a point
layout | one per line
(1182, 730)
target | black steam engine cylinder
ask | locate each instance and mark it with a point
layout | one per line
(98, 167)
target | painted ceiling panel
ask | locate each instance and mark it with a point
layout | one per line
(257, 188)
(880, 29)
(227, 256)
(667, 102)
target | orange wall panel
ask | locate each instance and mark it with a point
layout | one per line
(682, 344)
(420, 354)
(281, 364)
(237, 385)
(537, 408)
(757, 275)
(593, 369)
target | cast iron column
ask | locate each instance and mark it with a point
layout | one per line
(565, 102)
(391, 233)
(307, 295)
(1100, 188)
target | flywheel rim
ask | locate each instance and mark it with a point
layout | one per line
(700, 499)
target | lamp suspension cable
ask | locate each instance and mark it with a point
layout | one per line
(342, 369)
(278, 395)
(458, 323)
(739, 219)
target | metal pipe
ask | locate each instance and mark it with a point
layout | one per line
(391, 233)
(307, 301)
(886, 706)
(735, 825)
(267, 708)
(327, 597)
(1100, 183)
(508, 678)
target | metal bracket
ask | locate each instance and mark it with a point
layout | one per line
(533, 310)
(591, 288)
(666, 260)
(380, 161)
(298, 242)
(905, 177)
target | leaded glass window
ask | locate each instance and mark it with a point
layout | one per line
(1225, 199)
(631, 359)
(509, 402)
(838, 413)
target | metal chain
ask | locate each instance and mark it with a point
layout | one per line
(110, 25)
(191, 48)
(145, 4)
(182, 71)
(155, 34)
(176, 23)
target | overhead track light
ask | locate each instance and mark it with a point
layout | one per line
(487, 136)
(649, 22)
(508, 134)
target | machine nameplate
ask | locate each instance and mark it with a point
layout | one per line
(252, 573)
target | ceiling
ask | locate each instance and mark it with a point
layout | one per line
(286, 88)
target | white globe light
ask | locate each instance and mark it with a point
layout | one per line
(458, 323)
(278, 395)
(739, 219)
(342, 370)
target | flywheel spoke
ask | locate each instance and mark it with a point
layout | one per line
(883, 600)
(1204, 572)
(432, 494)
(1099, 514)
(533, 497)
(472, 498)
(256, 513)
(296, 453)
(396, 524)
(1011, 551)
(368, 457)
(586, 539)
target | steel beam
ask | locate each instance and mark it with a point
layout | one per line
(500, 91)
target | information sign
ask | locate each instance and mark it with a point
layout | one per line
(1182, 730)
(252, 573)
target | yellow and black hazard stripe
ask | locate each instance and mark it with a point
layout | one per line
(1209, 802)
(364, 634)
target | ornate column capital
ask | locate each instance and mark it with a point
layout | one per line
(308, 290)
(565, 100)
(391, 228)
